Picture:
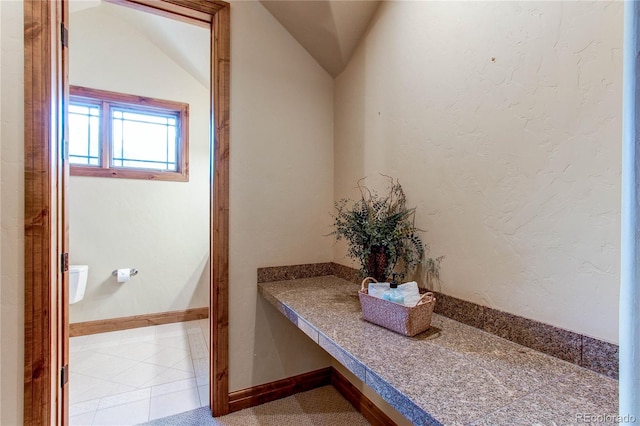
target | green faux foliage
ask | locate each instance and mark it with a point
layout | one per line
(380, 224)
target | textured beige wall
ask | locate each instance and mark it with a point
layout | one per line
(160, 228)
(12, 212)
(502, 122)
(281, 188)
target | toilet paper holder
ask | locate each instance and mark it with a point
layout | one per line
(132, 271)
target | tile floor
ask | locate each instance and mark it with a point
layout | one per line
(133, 376)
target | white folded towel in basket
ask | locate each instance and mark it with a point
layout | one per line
(409, 291)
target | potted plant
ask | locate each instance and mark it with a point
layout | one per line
(380, 231)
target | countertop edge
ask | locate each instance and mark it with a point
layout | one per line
(390, 394)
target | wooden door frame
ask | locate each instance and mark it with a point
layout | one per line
(44, 282)
(43, 277)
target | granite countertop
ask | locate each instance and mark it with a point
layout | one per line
(452, 374)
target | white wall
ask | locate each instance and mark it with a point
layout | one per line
(1, 298)
(281, 174)
(12, 212)
(281, 177)
(502, 122)
(161, 228)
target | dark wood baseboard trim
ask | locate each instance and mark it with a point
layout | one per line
(256, 395)
(146, 320)
(360, 402)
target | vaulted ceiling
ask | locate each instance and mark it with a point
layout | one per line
(328, 29)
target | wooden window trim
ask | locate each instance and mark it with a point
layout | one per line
(133, 102)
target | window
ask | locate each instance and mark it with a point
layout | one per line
(127, 136)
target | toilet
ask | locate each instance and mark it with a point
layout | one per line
(77, 282)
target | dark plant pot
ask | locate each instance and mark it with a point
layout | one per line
(377, 264)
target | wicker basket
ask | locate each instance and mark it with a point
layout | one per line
(405, 320)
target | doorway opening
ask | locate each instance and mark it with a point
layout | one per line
(138, 195)
(46, 176)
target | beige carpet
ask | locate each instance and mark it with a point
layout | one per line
(321, 406)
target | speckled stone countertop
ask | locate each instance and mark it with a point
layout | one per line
(452, 374)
